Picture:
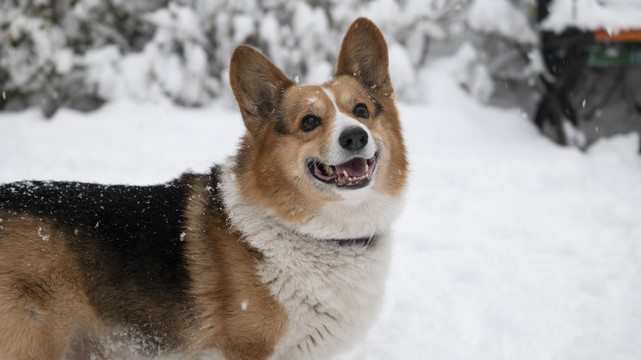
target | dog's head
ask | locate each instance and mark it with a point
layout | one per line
(328, 159)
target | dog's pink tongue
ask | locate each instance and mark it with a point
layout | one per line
(354, 167)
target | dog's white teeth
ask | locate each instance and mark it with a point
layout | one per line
(353, 179)
(330, 170)
(366, 168)
(358, 178)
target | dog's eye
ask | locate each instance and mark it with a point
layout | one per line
(360, 110)
(310, 122)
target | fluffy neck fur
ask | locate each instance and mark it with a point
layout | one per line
(309, 277)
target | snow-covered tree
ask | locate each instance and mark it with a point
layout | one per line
(42, 43)
(80, 53)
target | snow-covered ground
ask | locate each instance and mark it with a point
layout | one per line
(510, 247)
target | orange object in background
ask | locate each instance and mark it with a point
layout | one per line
(633, 35)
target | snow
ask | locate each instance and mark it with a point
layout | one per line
(613, 15)
(41, 234)
(401, 70)
(178, 19)
(115, 144)
(510, 247)
(103, 70)
(64, 60)
(468, 70)
(243, 27)
(319, 73)
(309, 21)
(483, 15)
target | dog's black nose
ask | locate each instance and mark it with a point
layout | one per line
(354, 138)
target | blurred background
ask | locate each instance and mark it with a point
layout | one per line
(83, 53)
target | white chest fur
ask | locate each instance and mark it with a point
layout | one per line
(331, 293)
(332, 296)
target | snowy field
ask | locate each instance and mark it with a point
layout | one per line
(510, 247)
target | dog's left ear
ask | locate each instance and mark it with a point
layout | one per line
(364, 56)
(258, 85)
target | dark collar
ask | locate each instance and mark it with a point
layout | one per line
(364, 241)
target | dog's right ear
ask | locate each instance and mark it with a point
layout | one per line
(258, 85)
(363, 55)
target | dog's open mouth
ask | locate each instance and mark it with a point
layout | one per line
(353, 174)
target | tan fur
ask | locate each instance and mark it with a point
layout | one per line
(41, 300)
(363, 56)
(386, 128)
(355, 62)
(237, 314)
(276, 175)
(257, 104)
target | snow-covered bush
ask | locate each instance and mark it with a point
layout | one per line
(505, 36)
(32, 53)
(43, 42)
(80, 53)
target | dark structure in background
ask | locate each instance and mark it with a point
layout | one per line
(592, 86)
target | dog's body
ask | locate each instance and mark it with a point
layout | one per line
(275, 255)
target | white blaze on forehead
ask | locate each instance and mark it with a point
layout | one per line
(337, 154)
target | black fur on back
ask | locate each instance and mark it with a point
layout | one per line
(129, 241)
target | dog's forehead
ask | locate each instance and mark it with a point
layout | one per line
(309, 98)
(343, 90)
(336, 95)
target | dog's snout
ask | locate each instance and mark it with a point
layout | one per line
(353, 139)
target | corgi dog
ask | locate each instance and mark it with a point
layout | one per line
(279, 253)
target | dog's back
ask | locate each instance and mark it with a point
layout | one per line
(70, 250)
(148, 269)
